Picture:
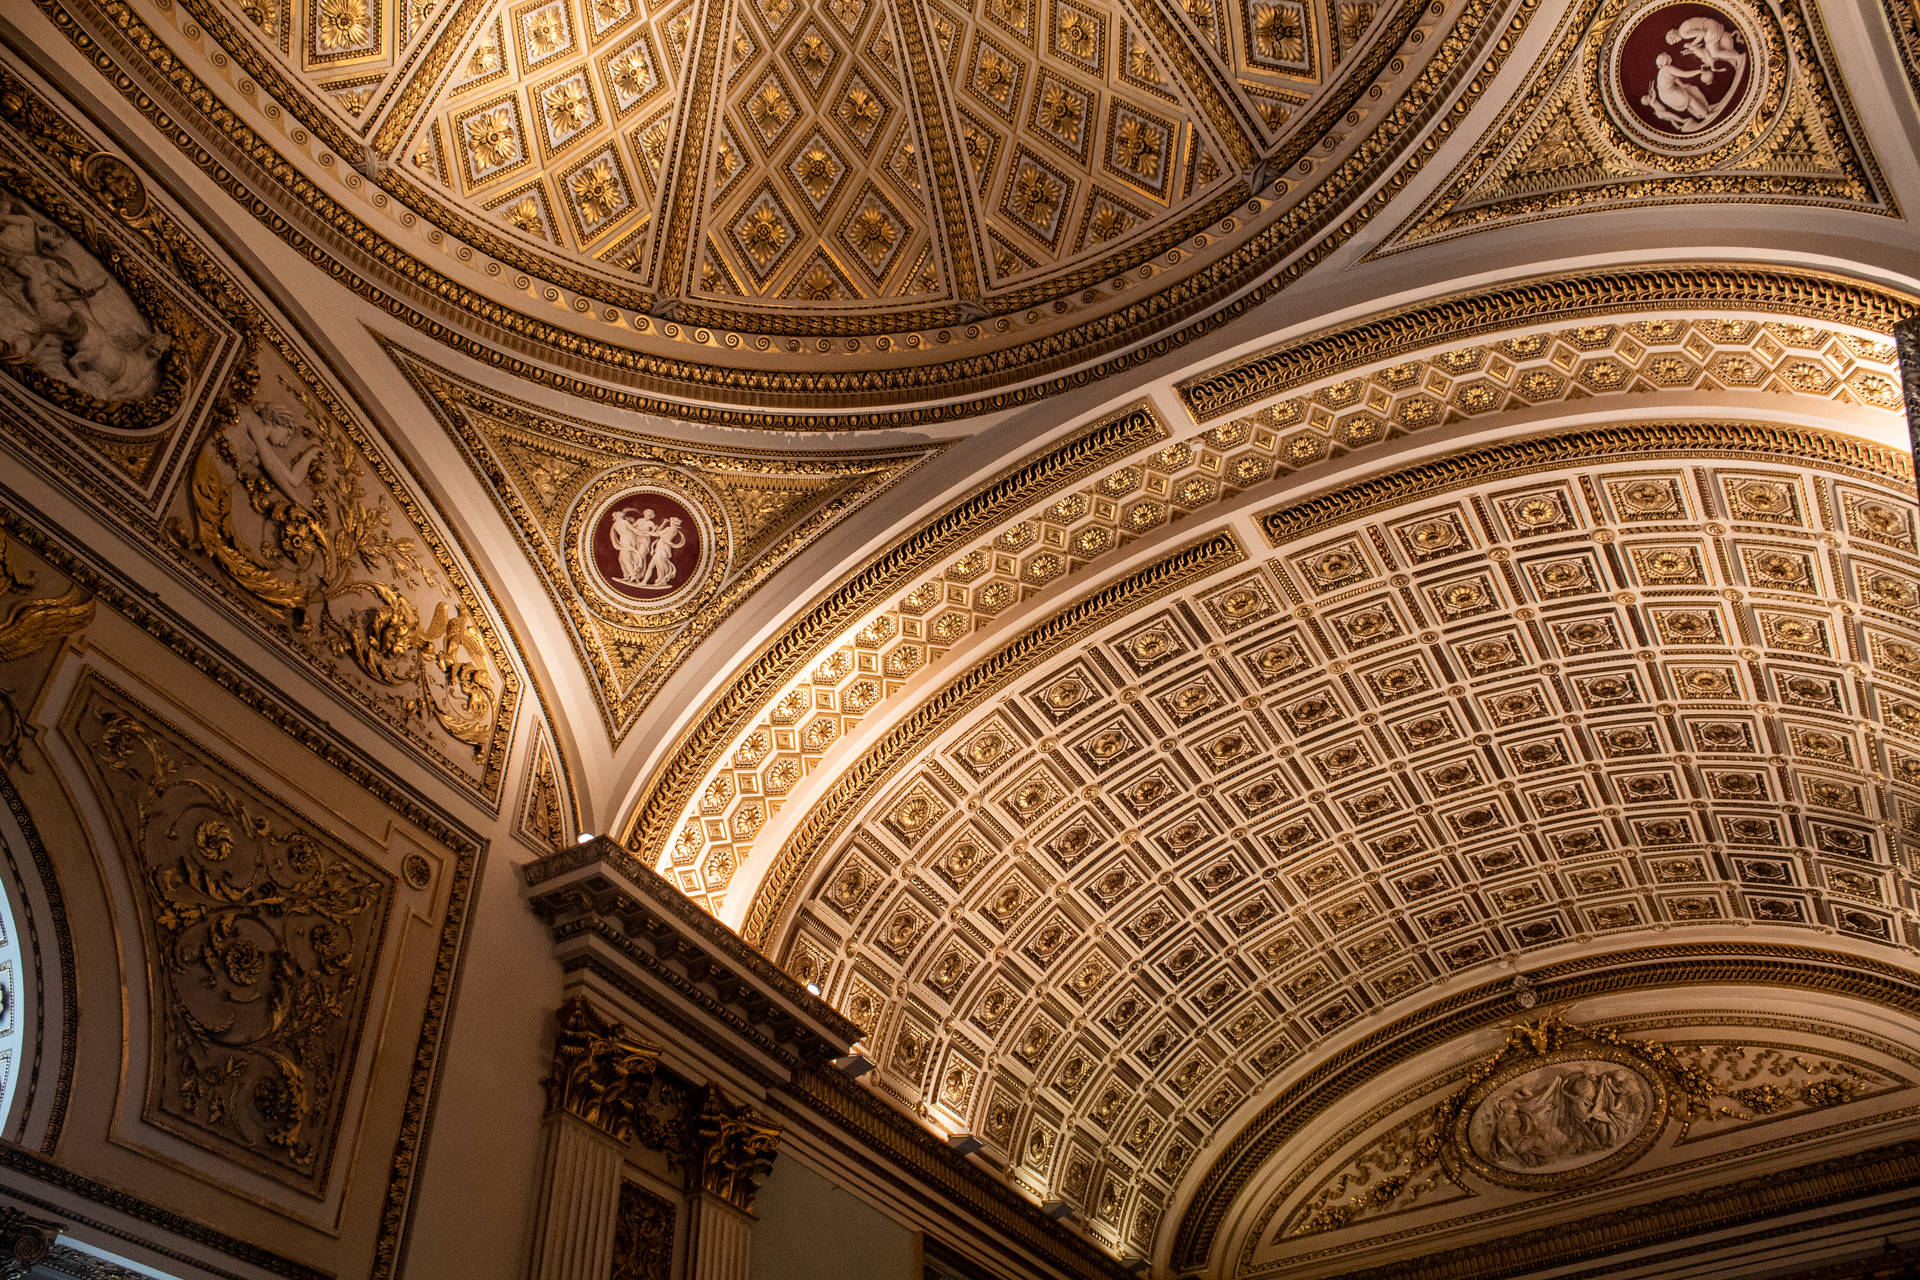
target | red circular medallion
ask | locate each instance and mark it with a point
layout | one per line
(646, 545)
(1684, 69)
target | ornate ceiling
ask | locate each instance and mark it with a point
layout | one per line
(1368, 501)
(924, 202)
(1113, 882)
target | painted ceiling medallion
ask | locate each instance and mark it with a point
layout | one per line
(645, 545)
(1681, 75)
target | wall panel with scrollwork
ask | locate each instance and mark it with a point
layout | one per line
(271, 904)
(263, 933)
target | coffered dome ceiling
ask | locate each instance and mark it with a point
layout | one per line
(927, 200)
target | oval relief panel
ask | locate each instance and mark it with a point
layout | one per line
(1577, 1116)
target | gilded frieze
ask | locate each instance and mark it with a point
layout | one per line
(645, 545)
(258, 477)
(262, 935)
(1903, 16)
(1561, 1109)
(1644, 102)
(1571, 691)
(1564, 1106)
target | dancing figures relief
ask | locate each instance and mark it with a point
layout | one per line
(646, 546)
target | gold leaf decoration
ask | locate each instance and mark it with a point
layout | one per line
(263, 930)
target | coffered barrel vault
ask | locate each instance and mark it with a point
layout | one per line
(1087, 906)
(956, 639)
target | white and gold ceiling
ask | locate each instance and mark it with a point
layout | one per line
(1229, 531)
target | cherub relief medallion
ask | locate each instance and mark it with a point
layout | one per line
(1680, 75)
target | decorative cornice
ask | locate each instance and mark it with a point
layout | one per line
(598, 889)
(773, 897)
(699, 983)
(1559, 298)
(886, 1141)
(1489, 1004)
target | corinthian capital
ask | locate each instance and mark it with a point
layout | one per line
(600, 1073)
(734, 1149)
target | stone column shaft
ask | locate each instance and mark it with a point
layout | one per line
(719, 1239)
(580, 1196)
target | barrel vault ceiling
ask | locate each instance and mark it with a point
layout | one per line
(1226, 531)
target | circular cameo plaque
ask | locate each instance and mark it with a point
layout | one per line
(1561, 1121)
(1683, 72)
(646, 545)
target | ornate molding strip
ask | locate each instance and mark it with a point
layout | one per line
(1691, 439)
(773, 898)
(1081, 457)
(1904, 17)
(63, 950)
(1891, 1168)
(48, 1174)
(1641, 968)
(1808, 295)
